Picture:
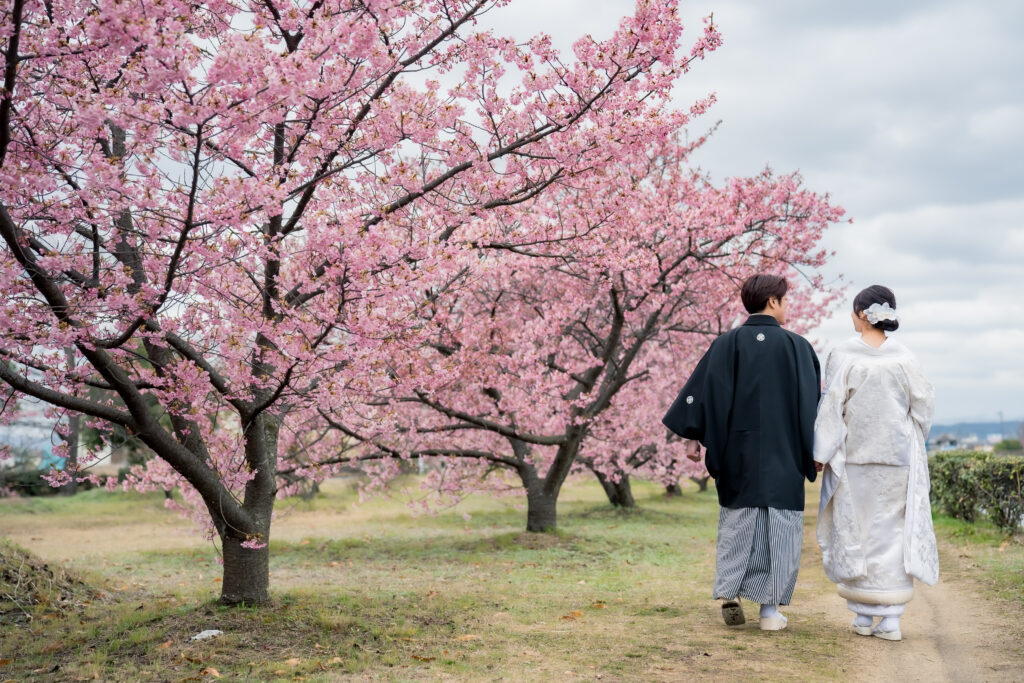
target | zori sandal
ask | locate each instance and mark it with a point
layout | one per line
(776, 623)
(888, 635)
(732, 613)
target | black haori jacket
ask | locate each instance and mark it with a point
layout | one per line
(751, 401)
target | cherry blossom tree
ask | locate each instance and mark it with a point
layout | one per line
(568, 355)
(221, 205)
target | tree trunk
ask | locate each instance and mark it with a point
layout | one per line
(246, 573)
(701, 482)
(620, 493)
(542, 493)
(247, 570)
(71, 462)
(541, 509)
(673, 490)
(541, 505)
(74, 437)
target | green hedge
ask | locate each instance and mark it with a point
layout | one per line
(967, 485)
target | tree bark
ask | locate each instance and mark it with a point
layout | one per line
(673, 490)
(541, 509)
(74, 437)
(541, 497)
(71, 462)
(246, 572)
(701, 482)
(620, 493)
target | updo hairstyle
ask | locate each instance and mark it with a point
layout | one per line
(877, 294)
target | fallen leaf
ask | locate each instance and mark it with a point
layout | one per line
(467, 637)
(423, 659)
(1003, 546)
(335, 660)
(210, 671)
(218, 580)
(4, 662)
(433, 594)
(333, 563)
(598, 604)
(304, 541)
(572, 616)
(164, 645)
(294, 661)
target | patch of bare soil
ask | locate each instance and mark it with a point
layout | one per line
(28, 583)
(951, 632)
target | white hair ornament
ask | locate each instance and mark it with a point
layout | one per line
(876, 313)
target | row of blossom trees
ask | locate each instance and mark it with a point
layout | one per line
(265, 236)
(564, 352)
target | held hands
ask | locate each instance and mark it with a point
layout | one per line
(818, 467)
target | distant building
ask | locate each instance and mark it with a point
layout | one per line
(943, 442)
(30, 440)
(955, 442)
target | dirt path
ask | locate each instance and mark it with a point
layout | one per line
(950, 633)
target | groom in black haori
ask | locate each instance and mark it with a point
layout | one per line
(751, 401)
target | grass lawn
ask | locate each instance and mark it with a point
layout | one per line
(375, 592)
(982, 553)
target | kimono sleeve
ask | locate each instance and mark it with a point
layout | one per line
(922, 396)
(808, 398)
(686, 417)
(829, 427)
(702, 410)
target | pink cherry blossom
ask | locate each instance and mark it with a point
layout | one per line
(562, 352)
(241, 214)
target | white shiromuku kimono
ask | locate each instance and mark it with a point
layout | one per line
(874, 521)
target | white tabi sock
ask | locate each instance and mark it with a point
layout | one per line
(768, 611)
(863, 620)
(889, 624)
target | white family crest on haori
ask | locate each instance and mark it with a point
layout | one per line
(874, 522)
(878, 312)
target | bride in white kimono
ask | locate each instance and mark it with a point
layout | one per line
(874, 521)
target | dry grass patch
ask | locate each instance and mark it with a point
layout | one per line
(31, 588)
(392, 596)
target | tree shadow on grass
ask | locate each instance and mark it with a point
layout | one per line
(587, 533)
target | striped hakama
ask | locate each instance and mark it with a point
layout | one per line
(758, 554)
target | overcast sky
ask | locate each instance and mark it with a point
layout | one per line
(911, 115)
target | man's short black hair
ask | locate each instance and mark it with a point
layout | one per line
(759, 288)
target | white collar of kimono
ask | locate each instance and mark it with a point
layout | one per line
(888, 347)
